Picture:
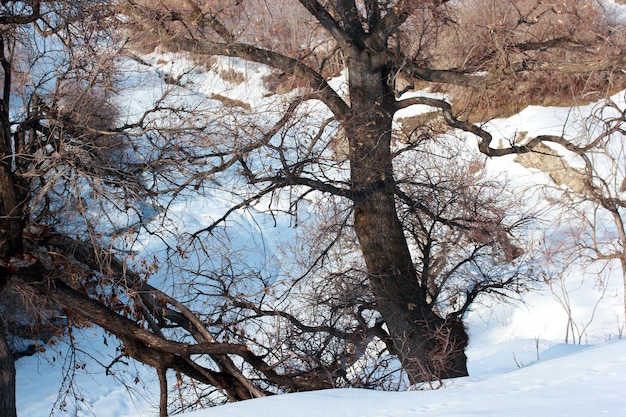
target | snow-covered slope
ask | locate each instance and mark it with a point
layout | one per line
(518, 364)
(509, 377)
(588, 383)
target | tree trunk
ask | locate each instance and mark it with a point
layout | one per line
(623, 263)
(428, 346)
(7, 378)
(10, 234)
(162, 374)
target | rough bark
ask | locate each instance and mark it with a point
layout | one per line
(10, 213)
(429, 346)
(7, 378)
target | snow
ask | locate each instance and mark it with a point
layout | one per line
(583, 384)
(518, 363)
(506, 379)
(615, 12)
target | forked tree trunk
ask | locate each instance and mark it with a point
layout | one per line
(428, 346)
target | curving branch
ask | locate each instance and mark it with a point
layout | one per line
(22, 19)
(485, 137)
(395, 16)
(152, 347)
(97, 259)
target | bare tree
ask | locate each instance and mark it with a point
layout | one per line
(381, 43)
(70, 168)
(43, 135)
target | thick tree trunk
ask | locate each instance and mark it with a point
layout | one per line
(428, 346)
(7, 378)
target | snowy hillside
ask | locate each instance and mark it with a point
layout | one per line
(583, 384)
(518, 362)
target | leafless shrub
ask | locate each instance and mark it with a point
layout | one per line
(486, 33)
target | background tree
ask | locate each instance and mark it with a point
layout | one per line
(589, 185)
(42, 136)
(68, 171)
